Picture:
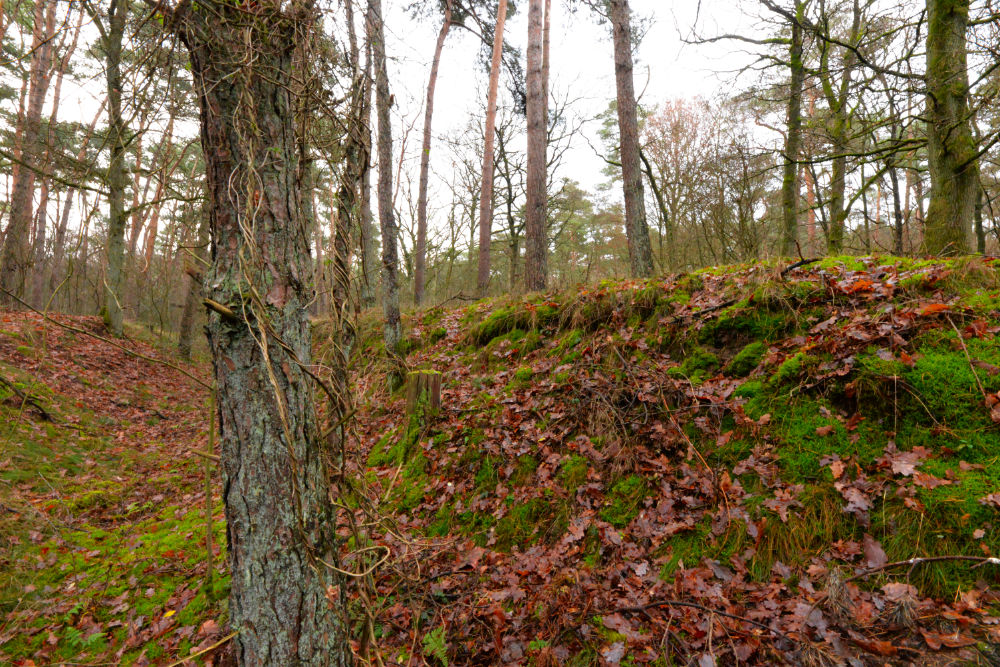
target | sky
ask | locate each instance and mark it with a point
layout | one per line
(582, 65)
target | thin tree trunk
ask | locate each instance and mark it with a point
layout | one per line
(793, 138)
(191, 300)
(951, 149)
(536, 241)
(425, 161)
(112, 311)
(369, 261)
(392, 331)
(285, 599)
(636, 229)
(40, 267)
(486, 187)
(978, 219)
(897, 212)
(15, 261)
(59, 244)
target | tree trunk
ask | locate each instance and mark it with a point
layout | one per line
(536, 238)
(285, 600)
(392, 331)
(793, 139)
(15, 261)
(425, 162)
(486, 187)
(191, 300)
(951, 149)
(897, 212)
(115, 248)
(40, 268)
(978, 218)
(369, 261)
(636, 229)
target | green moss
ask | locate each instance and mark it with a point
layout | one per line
(538, 519)
(749, 389)
(487, 476)
(698, 363)
(389, 450)
(498, 323)
(525, 470)
(625, 500)
(523, 374)
(573, 472)
(746, 360)
(435, 335)
(570, 340)
(791, 369)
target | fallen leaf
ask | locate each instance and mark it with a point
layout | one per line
(874, 553)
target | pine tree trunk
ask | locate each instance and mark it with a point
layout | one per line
(392, 330)
(536, 238)
(191, 301)
(285, 600)
(951, 149)
(793, 139)
(486, 187)
(636, 229)
(15, 261)
(425, 162)
(115, 248)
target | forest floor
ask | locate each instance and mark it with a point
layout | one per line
(732, 466)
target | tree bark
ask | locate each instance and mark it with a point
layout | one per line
(839, 127)
(369, 262)
(486, 188)
(978, 219)
(392, 330)
(15, 261)
(793, 138)
(191, 300)
(951, 149)
(115, 246)
(285, 599)
(897, 212)
(636, 229)
(536, 238)
(425, 161)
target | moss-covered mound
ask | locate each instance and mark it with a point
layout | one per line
(761, 445)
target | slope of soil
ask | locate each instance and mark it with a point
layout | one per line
(728, 467)
(103, 559)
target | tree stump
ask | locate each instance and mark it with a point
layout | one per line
(423, 391)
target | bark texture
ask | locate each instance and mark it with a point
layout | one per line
(636, 229)
(115, 247)
(392, 329)
(793, 138)
(191, 301)
(285, 599)
(535, 233)
(425, 161)
(951, 149)
(15, 261)
(486, 189)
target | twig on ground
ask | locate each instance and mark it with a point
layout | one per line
(914, 562)
(694, 605)
(29, 399)
(802, 262)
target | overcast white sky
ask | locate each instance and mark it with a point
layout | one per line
(582, 63)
